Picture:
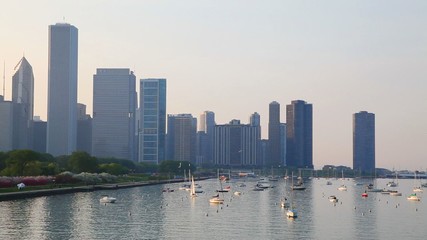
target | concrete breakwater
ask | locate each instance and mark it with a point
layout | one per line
(89, 188)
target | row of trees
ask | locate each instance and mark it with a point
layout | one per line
(30, 163)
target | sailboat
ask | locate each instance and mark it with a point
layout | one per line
(272, 177)
(342, 187)
(216, 199)
(371, 187)
(193, 188)
(393, 183)
(292, 212)
(416, 188)
(299, 185)
(286, 177)
(226, 189)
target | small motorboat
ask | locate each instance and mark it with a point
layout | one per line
(216, 199)
(391, 184)
(395, 194)
(258, 189)
(333, 199)
(413, 197)
(328, 183)
(418, 189)
(343, 188)
(226, 189)
(291, 213)
(168, 190)
(263, 185)
(365, 194)
(298, 186)
(237, 193)
(107, 199)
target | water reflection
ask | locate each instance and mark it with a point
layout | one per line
(146, 212)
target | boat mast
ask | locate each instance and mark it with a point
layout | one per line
(4, 78)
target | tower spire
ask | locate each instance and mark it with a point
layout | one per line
(4, 77)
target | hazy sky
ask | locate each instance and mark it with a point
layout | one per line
(235, 57)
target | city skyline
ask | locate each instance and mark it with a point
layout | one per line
(342, 57)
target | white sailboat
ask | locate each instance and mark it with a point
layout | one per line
(299, 185)
(291, 212)
(417, 188)
(216, 199)
(342, 187)
(286, 177)
(185, 186)
(193, 188)
(393, 183)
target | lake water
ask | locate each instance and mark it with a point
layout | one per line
(148, 213)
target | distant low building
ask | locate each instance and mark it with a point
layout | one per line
(39, 135)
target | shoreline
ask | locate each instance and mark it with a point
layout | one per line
(90, 188)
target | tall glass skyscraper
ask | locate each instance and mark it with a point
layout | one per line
(364, 142)
(152, 125)
(299, 134)
(114, 106)
(62, 89)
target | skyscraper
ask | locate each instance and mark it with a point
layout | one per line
(23, 99)
(205, 137)
(6, 125)
(84, 130)
(181, 137)
(62, 89)
(364, 142)
(152, 126)
(39, 133)
(299, 134)
(236, 144)
(255, 121)
(274, 145)
(283, 144)
(114, 106)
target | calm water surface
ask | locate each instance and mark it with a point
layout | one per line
(147, 213)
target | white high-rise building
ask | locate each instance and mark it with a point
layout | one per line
(114, 106)
(62, 89)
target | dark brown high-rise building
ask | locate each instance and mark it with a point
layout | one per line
(274, 143)
(299, 134)
(364, 142)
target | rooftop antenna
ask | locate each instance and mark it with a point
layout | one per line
(4, 77)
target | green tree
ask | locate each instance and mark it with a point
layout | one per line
(113, 168)
(3, 157)
(49, 168)
(62, 163)
(21, 162)
(82, 162)
(146, 168)
(124, 162)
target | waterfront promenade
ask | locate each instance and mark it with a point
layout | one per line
(88, 188)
